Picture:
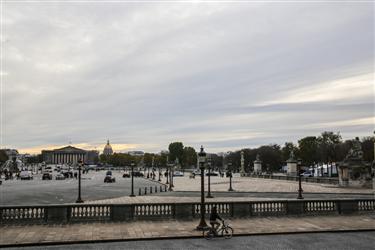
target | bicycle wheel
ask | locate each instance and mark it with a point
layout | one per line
(209, 235)
(227, 232)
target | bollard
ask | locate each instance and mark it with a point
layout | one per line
(156, 189)
(161, 189)
(150, 190)
(140, 192)
(145, 190)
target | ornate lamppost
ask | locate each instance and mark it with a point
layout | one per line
(299, 172)
(209, 178)
(132, 192)
(79, 199)
(230, 177)
(159, 171)
(202, 160)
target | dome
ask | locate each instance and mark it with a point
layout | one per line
(107, 149)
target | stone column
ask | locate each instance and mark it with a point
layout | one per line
(242, 164)
(291, 165)
(258, 165)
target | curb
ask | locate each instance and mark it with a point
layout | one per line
(178, 237)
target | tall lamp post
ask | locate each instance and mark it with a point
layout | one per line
(209, 178)
(159, 172)
(230, 177)
(202, 160)
(170, 177)
(299, 163)
(79, 199)
(132, 166)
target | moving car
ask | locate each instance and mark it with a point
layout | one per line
(138, 174)
(212, 174)
(109, 179)
(26, 175)
(60, 177)
(178, 174)
(126, 175)
(47, 176)
(307, 174)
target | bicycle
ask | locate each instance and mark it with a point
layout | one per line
(224, 231)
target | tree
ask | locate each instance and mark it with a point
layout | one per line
(176, 150)
(326, 144)
(189, 157)
(147, 159)
(271, 157)
(3, 156)
(368, 148)
(308, 150)
(35, 159)
(287, 149)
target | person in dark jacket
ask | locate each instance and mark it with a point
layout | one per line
(213, 219)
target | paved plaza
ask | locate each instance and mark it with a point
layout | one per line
(33, 234)
(246, 189)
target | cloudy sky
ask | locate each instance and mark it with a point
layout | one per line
(225, 75)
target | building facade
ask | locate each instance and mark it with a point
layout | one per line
(108, 149)
(69, 155)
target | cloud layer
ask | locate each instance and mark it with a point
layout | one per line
(226, 76)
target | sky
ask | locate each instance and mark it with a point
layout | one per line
(225, 75)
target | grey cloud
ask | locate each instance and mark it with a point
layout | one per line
(148, 74)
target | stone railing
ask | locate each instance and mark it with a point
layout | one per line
(325, 180)
(56, 214)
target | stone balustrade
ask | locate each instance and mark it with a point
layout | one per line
(325, 180)
(70, 213)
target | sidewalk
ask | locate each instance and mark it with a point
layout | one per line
(137, 230)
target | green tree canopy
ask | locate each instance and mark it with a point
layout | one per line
(176, 150)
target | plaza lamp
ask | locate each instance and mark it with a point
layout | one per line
(132, 166)
(79, 199)
(230, 176)
(299, 172)
(202, 160)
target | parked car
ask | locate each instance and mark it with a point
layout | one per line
(109, 179)
(60, 177)
(138, 174)
(212, 174)
(178, 174)
(307, 174)
(109, 173)
(47, 176)
(26, 175)
(126, 175)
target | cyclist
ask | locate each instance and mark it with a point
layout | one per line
(214, 215)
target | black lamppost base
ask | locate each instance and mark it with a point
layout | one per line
(202, 226)
(79, 200)
(209, 196)
(132, 195)
(231, 190)
(300, 198)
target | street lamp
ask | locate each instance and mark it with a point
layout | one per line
(159, 171)
(230, 177)
(299, 163)
(170, 178)
(79, 199)
(209, 178)
(202, 160)
(132, 166)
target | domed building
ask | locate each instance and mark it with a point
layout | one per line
(107, 149)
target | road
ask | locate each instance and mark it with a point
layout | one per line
(306, 241)
(37, 191)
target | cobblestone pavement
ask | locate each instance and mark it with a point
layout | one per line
(13, 235)
(247, 184)
(241, 184)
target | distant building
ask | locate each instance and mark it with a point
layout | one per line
(69, 155)
(108, 149)
(136, 153)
